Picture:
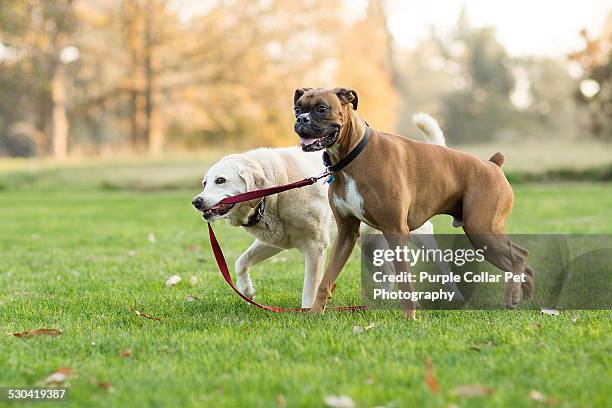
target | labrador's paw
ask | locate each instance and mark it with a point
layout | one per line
(245, 286)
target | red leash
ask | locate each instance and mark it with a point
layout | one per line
(216, 248)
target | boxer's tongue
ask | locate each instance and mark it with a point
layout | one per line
(307, 142)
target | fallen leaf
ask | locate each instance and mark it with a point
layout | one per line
(535, 326)
(105, 385)
(575, 319)
(472, 390)
(59, 376)
(38, 332)
(146, 316)
(152, 238)
(339, 401)
(131, 252)
(550, 312)
(173, 280)
(481, 345)
(191, 298)
(540, 397)
(357, 330)
(281, 401)
(370, 326)
(195, 248)
(193, 280)
(430, 377)
(126, 353)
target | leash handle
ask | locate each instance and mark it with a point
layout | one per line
(222, 264)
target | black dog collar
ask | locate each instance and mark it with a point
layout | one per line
(346, 160)
(257, 214)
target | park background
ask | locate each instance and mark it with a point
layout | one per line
(111, 111)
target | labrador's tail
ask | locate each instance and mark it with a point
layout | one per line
(430, 128)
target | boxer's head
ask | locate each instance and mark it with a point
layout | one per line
(320, 115)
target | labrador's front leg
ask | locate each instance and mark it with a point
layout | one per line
(314, 261)
(256, 253)
(348, 233)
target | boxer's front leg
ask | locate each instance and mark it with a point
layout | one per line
(348, 233)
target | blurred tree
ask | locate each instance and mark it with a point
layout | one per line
(543, 96)
(366, 63)
(38, 32)
(595, 89)
(480, 108)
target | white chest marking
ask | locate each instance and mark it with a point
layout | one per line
(352, 203)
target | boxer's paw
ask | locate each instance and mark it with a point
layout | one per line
(317, 308)
(410, 314)
(527, 288)
(512, 295)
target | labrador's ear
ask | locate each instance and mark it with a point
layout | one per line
(347, 95)
(298, 94)
(254, 177)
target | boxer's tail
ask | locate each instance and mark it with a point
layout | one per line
(430, 128)
(498, 158)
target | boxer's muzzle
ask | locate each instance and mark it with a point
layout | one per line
(313, 138)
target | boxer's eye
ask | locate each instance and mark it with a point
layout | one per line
(322, 109)
(297, 110)
(220, 180)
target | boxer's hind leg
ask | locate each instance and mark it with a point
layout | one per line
(484, 226)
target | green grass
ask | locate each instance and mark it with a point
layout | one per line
(66, 264)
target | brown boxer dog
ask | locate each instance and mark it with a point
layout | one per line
(396, 184)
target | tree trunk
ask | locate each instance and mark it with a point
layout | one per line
(153, 134)
(58, 97)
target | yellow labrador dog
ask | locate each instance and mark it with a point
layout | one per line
(299, 218)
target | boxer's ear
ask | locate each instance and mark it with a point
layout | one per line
(347, 95)
(298, 94)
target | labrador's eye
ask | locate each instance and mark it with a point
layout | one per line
(204, 184)
(322, 109)
(220, 180)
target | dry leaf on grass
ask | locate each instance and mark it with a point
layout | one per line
(481, 345)
(126, 353)
(540, 397)
(146, 316)
(173, 280)
(430, 377)
(195, 248)
(550, 312)
(357, 329)
(281, 401)
(535, 326)
(105, 385)
(131, 252)
(38, 332)
(339, 401)
(152, 238)
(472, 390)
(59, 376)
(193, 280)
(191, 298)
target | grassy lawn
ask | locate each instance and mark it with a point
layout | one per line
(79, 259)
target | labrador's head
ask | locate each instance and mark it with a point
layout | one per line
(230, 176)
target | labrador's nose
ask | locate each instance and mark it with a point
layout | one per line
(198, 202)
